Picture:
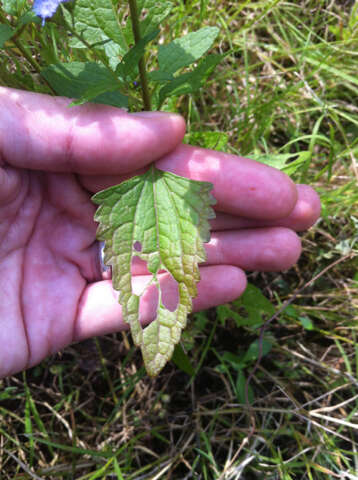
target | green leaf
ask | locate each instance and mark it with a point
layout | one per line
(256, 349)
(129, 65)
(240, 388)
(106, 19)
(283, 161)
(255, 304)
(157, 12)
(114, 53)
(94, 30)
(159, 76)
(181, 360)
(210, 139)
(83, 20)
(6, 32)
(224, 312)
(306, 323)
(233, 359)
(183, 51)
(80, 80)
(102, 90)
(162, 219)
(192, 81)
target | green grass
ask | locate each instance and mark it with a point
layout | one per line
(288, 85)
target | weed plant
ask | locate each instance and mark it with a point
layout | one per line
(286, 93)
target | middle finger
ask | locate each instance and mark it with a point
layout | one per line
(266, 249)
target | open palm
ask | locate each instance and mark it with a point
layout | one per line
(52, 158)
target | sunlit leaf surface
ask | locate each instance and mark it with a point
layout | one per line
(163, 219)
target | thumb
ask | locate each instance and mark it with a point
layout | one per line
(43, 133)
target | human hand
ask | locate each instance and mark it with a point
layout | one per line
(53, 158)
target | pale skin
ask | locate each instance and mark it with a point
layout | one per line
(53, 158)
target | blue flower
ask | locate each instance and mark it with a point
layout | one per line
(46, 8)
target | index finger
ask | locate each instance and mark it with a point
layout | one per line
(43, 133)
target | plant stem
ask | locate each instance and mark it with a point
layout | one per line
(141, 65)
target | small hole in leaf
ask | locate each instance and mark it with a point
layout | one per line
(170, 293)
(137, 246)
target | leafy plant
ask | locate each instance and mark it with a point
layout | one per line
(236, 364)
(159, 217)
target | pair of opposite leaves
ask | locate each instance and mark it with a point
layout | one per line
(163, 219)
